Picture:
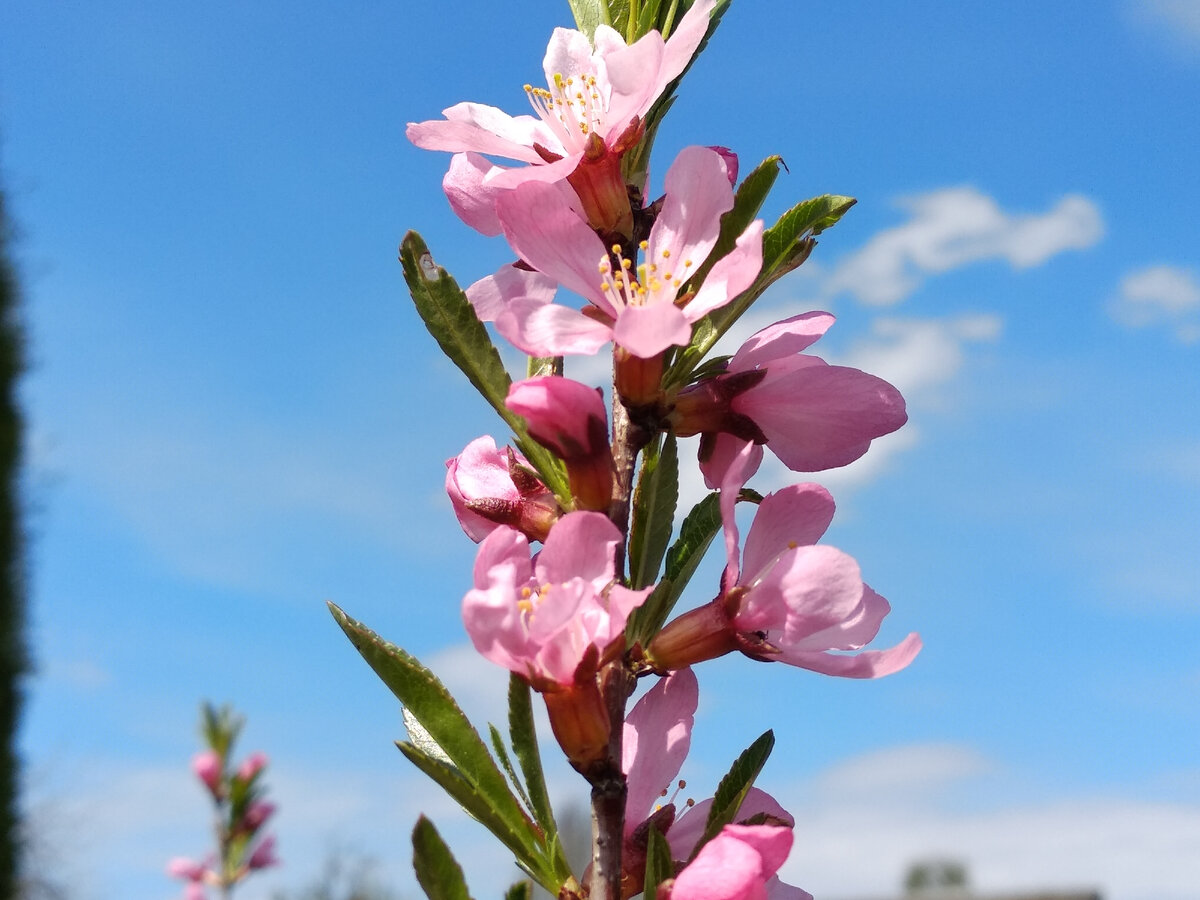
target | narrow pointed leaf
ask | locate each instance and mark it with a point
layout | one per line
(522, 890)
(523, 735)
(438, 873)
(734, 786)
(806, 219)
(695, 535)
(659, 865)
(427, 699)
(507, 766)
(750, 196)
(588, 14)
(653, 511)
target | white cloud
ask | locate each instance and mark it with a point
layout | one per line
(1175, 21)
(1161, 295)
(954, 227)
(862, 822)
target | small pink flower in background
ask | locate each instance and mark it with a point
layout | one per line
(490, 487)
(594, 96)
(208, 767)
(256, 814)
(788, 600)
(636, 309)
(264, 854)
(739, 864)
(194, 873)
(570, 419)
(252, 765)
(545, 617)
(811, 415)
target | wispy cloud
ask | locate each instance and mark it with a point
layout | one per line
(1177, 22)
(1161, 295)
(954, 227)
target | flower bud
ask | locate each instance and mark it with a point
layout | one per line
(253, 764)
(490, 487)
(207, 766)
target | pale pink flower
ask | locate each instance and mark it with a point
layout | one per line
(787, 600)
(208, 767)
(545, 617)
(594, 94)
(186, 869)
(264, 854)
(634, 307)
(252, 765)
(489, 487)
(811, 415)
(738, 864)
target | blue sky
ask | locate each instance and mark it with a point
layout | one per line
(236, 416)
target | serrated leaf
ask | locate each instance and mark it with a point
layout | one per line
(750, 196)
(805, 219)
(654, 502)
(695, 536)
(659, 865)
(735, 785)
(421, 738)
(427, 699)
(522, 890)
(438, 873)
(450, 318)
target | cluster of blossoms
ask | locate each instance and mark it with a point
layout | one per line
(660, 280)
(242, 846)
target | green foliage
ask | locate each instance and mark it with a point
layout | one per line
(452, 321)
(590, 13)
(525, 745)
(735, 785)
(522, 890)
(659, 865)
(653, 511)
(438, 872)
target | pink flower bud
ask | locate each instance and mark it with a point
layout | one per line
(253, 764)
(264, 854)
(186, 869)
(207, 766)
(490, 487)
(256, 814)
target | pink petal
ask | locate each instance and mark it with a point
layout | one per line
(865, 664)
(471, 197)
(549, 329)
(482, 128)
(554, 239)
(687, 830)
(697, 195)
(568, 54)
(783, 339)
(547, 172)
(807, 590)
(726, 449)
(738, 470)
(580, 545)
(646, 331)
(658, 734)
(633, 73)
(491, 296)
(684, 40)
(797, 515)
(732, 274)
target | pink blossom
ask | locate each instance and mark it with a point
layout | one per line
(256, 814)
(787, 600)
(545, 617)
(252, 765)
(186, 869)
(208, 767)
(634, 307)
(812, 415)
(490, 487)
(738, 864)
(594, 95)
(264, 854)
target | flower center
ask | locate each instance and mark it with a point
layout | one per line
(651, 282)
(572, 106)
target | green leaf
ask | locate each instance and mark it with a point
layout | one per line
(518, 840)
(806, 219)
(654, 502)
(659, 865)
(522, 890)
(588, 14)
(439, 874)
(427, 699)
(507, 766)
(695, 536)
(452, 321)
(734, 786)
(523, 735)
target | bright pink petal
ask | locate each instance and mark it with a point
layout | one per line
(491, 296)
(818, 417)
(740, 467)
(483, 129)
(658, 734)
(471, 197)
(807, 590)
(646, 331)
(554, 239)
(549, 329)
(697, 195)
(562, 414)
(732, 274)
(580, 545)
(684, 40)
(726, 449)
(794, 516)
(865, 664)
(781, 340)
(687, 830)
